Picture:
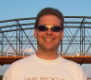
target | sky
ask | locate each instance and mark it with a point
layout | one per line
(13, 9)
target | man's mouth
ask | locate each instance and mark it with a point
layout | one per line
(48, 39)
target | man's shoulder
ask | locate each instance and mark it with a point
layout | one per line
(22, 61)
(19, 65)
(69, 62)
(71, 65)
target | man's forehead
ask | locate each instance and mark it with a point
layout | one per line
(49, 20)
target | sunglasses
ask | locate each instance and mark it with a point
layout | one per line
(53, 28)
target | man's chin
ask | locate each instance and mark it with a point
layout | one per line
(49, 48)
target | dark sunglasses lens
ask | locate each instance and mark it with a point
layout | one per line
(42, 28)
(56, 28)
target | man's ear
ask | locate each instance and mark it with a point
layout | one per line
(35, 33)
(62, 35)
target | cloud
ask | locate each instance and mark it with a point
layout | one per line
(29, 51)
(88, 73)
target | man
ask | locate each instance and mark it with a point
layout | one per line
(46, 64)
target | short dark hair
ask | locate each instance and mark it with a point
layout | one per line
(50, 11)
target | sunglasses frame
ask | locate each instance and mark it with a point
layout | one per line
(54, 28)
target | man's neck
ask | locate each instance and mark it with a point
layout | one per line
(48, 55)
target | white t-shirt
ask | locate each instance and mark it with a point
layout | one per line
(35, 68)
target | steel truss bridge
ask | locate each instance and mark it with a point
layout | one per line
(17, 39)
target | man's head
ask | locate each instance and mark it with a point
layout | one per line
(50, 11)
(48, 31)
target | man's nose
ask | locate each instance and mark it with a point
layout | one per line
(49, 31)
